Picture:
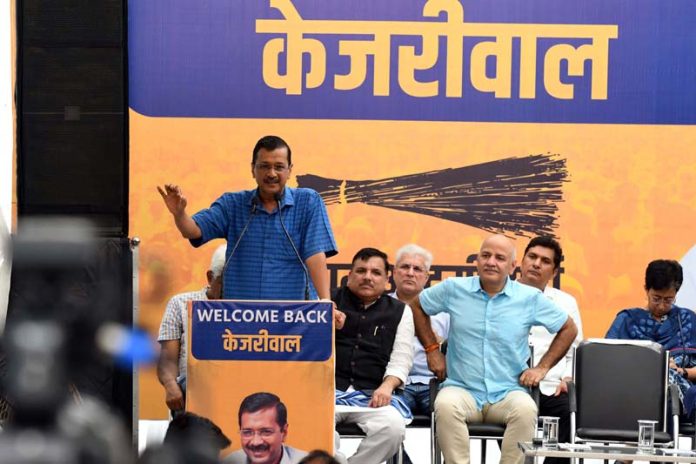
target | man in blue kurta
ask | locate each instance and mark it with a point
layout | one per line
(486, 375)
(256, 224)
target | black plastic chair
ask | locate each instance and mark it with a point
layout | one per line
(422, 421)
(687, 429)
(617, 383)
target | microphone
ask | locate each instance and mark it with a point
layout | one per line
(254, 206)
(279, 197)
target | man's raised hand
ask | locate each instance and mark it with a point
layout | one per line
(173, 199)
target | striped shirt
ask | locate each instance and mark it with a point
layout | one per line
(173, 326)
(265, 266)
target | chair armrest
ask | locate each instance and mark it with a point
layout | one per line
(572, 402)
(434, 388)
(674, 399)
(536, 395)
(434, 383)
(675, 409)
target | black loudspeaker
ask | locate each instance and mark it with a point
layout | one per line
(72, 111)
(72, 148)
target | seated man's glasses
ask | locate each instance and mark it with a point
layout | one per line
(668, 300)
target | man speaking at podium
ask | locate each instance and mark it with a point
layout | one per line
(278, 238)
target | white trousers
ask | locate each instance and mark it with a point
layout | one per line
(384, 429)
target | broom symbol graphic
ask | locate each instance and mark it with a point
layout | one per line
(517, 195)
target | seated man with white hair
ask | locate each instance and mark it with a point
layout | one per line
(411, 274)
(171, 367)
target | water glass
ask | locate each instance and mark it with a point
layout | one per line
(646, 435)
(549, 427)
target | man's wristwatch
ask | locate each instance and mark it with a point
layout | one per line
(685, 374)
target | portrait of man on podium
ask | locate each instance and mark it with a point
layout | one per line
(263, 429)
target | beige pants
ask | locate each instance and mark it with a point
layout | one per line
(455, 406)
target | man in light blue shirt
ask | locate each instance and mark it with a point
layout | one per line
(486, 375)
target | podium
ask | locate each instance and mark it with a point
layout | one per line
(239, 348)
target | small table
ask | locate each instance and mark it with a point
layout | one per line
(623, 453)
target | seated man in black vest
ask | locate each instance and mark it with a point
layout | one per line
(374, 355)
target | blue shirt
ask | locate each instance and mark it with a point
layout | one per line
(265, 266)
(488, 338)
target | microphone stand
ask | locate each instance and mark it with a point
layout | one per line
(279, 198)
(254, 206)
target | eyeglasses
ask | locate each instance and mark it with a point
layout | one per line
(263, 433)
(267, 167)
(656, 300)
(406, 267)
